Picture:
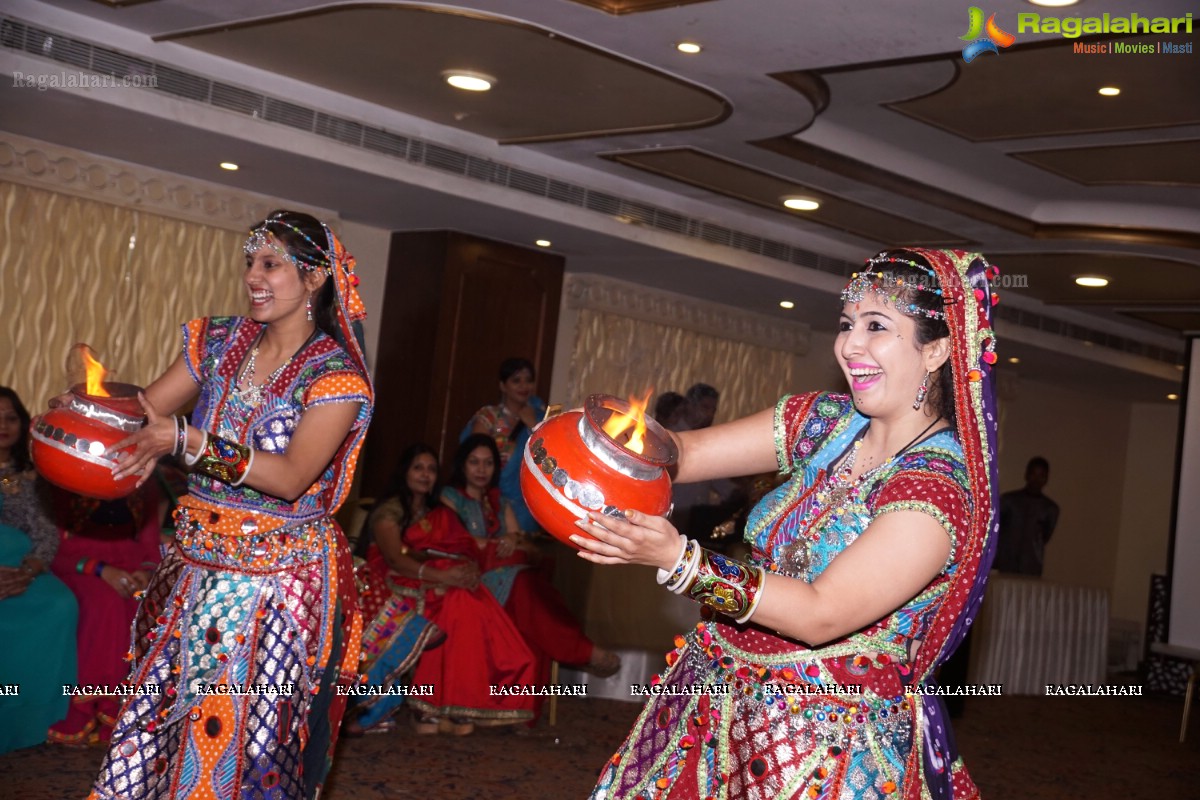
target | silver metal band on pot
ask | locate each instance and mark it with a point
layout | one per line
(89, 450)
(113, 419)
(613, 454)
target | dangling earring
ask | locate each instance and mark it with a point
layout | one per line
(308, 308)
(922, 390)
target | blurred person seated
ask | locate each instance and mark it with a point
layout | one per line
(701, 507)
(670, 411)
(511, 571)
(107, 551)
(414, 542)
(38, 613)
(509, 423)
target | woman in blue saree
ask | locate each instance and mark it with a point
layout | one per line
(38, 613)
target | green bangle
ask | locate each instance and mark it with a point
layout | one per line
(80, 566)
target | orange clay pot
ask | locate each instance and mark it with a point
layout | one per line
(570, 466)
(69, 442)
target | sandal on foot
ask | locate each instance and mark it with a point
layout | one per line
(603, 663)
(456, 727)
(426, 726)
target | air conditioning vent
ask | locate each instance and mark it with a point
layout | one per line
(18, 35)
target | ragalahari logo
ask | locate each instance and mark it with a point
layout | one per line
(983, 38)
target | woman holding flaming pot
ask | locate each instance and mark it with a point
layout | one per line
(868, 565)
(250, 623)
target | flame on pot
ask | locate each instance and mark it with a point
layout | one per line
(95, 373)
(620, 422)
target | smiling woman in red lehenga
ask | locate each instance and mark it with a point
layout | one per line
(512, 571)
(250, 623)
(422, 545)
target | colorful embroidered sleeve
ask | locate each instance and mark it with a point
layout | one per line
(933, 486)
(204, 341)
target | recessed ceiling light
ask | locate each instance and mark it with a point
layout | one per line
(1172, 396)
(543, 242)
(469, 81)
(1054, 3)
(1109, 91)
(229, 165)
(691, 48)
(786, 304)
(1091, 281)
(797, 203)
(1014, 360)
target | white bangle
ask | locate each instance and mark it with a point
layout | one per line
(190, 460)
(249, 466)
(663, 574)
(689, 571)
(762, 587)
(684, 569)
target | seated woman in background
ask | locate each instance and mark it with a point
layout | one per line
(420, 544)
(37, 613)
(107, 551)
(509, 424)
(395, 628)
(536, 607)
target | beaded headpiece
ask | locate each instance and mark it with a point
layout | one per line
(262, 237)
(889, 286)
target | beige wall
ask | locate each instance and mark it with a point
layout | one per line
(1084, 437)
(1145, 521)
(119, 279)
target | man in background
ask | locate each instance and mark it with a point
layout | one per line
(702, 405)
(1027, 521)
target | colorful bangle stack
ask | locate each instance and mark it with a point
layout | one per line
(90, 566)
(685, 567)
(228, 462)
(723, 584)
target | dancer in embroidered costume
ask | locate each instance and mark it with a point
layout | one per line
(868, 565)
(251, 622)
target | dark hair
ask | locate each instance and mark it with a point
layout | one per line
(306, 240)
(667, 406)
(458, 476)
(398, 488)
(1037, 461)
(941, 388)
(20, 450)
(511, 366)
(702, 391)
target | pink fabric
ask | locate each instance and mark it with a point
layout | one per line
(104, 616)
